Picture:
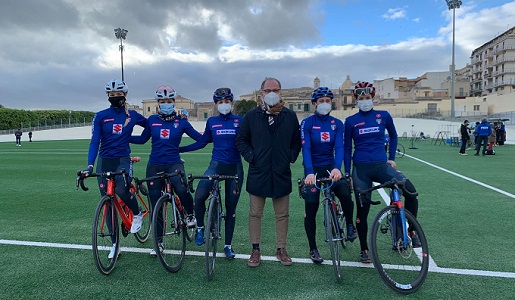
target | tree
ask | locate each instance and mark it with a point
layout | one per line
(243, 106)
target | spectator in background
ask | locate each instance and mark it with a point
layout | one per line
(483, 130)
(18, 133)
(475, 134)
(500, 133)
(491, 140)
(30, 136)
(465, 137)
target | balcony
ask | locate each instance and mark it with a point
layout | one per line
(503, 60)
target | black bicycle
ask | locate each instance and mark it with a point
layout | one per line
(334, 222)
(169, 225)
(214, 217)
(400, 265)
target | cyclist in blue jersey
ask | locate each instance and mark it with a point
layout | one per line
(221, 131)
(111, 132)
(322, 153)
(370, 163)
(166, 130)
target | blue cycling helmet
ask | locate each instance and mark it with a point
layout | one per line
(321, 92)
(222, 93)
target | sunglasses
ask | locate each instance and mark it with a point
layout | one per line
(363, 91)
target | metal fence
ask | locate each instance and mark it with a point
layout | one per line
(48, 124)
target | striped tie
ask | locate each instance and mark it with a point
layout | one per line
(270, 120)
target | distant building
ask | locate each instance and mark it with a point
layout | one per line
(493, 66)
(150, 106)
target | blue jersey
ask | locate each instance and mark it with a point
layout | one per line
(322, 142)
(221, 131)
(367, 131)
(484, 129)
(109, 133)
(166, 137)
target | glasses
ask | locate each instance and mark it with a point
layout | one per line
(363, 91)
(273, 90)
(222, 92)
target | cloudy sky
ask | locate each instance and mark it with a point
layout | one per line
(59, 54)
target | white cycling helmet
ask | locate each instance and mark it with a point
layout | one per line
(165, 92)
(116, 85)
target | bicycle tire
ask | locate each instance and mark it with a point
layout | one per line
(402, 269)
(332, 237)
(400, 151)
(212, 235)
(145, 206)
(342, 223)
(105, 233)
(168, 233)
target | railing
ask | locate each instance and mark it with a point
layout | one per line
(38, 127)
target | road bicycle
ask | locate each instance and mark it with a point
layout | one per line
(399, 153)
(334, 222)
(402, 267)
(106, 229)
(214, 217)
(169, 224)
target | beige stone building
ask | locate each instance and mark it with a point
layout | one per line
(150, 106)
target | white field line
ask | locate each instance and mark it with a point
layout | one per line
(432, 267)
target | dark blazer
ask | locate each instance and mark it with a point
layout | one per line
(269, 150)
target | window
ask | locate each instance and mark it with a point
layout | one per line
(148, 109)
(291, 106)
(306, 107)
(476, 107)
(205, 115)
(299, 106)
(432, 107)
(462, 93)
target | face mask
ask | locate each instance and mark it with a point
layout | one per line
(323, 108)
(117, 101)
(365, 105)
(224, 108)
(166, 108)
(271, 99)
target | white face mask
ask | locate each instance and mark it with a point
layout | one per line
(224, 108)
(323, 108)
(271, 99)
(365, 105)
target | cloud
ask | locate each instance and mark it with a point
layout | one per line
(395, 13)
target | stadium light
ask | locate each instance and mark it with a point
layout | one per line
(121, 34)
(453, 4)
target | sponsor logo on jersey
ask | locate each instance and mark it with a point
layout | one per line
(117, 128)
(225, 131)
(379, 121)
(316, 127)
(217, 125)
(236, 125)
(157, 124)
(164, 134)
(378, 115)
(333, 127)
(325, 137)
(108, 120)
(368, 130)
(176, 125)
(359, 124)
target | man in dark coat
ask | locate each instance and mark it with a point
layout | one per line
(18, 133)
(269, 140)
(465, 137)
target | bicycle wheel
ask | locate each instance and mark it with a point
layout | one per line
(403, 269)
(190, 232)
(342, 223)
(212, 235)
(400, 151)
(332, 237)
(105, 233)
(168, 232)
(146, 208)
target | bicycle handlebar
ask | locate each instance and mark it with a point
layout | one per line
(394, 183)
(213, 177)
(81, 176)
(161, 175)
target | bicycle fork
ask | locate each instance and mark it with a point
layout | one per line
(399, 221)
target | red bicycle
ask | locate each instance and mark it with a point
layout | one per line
(106, 231)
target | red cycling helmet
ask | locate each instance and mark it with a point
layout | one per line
(364, 88)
